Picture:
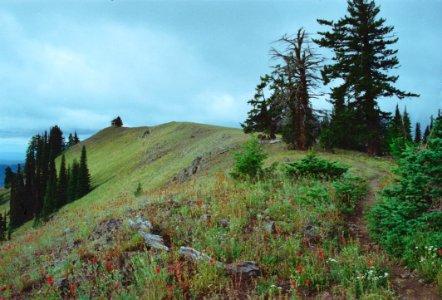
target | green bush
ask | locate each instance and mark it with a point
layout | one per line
(249, 161)
(349, 190)
(408, 214)
(312, 166)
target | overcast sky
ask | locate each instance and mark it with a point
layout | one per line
(78, 63)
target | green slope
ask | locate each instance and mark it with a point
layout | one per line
(121, 158)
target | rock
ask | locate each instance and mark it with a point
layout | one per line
(270, 227)
(62, 283)
(244, 269)
(205, 218)
(144, 228)
(223, 223)
(193, 254)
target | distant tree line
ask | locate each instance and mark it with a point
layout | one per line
(358, 73)
(37, 190)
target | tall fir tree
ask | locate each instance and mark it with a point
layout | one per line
(8, 177)
(73, 181)
(84, 177)
(17, 200)
(417, 133)
(62, 187)
(76, 138)
(50, 199)
(265, 113)
(406, 125)
(3, 227)
(56, 142)
(426, 134)
(360, 42)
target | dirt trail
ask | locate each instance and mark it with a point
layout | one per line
(405, 283)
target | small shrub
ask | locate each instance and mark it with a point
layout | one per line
(349, 190)
(139, 190)
(249, 161)
(312, 166)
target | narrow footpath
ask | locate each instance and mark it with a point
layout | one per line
(405, 283)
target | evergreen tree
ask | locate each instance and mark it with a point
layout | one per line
(297, 78)
(407, 125)
(362, 58)
(84, 178)
(50, 199)
(396, 126)
(73, 181)
(76, 138)
(417, 133)
(3, 227)
(56, 142)
(264, 115)
(117, 122)
(8, 177)
(70, 142)
(62, 188)
(426, 134)
(17, 200)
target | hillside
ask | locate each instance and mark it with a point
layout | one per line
(296, 231)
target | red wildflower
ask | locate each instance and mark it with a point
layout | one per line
(299, 268)
(108, 267)
(170, 287)
(10, 286)
(440, 251)
(299, 254)
(320, 254)
(50, 280)
(228, 249)
(307, 282)
(157, 270)
(293, 283)
(211, 261)
(72, 288)
(369, 264)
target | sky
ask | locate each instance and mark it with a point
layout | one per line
(79, 64)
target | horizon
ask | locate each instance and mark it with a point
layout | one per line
(78, 66)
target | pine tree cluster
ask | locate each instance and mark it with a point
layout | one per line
(359, 75)
(37, 190)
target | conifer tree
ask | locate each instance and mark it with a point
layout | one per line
(84, 178)
(297, 78)
(426, 134)
(265, 113)
(417, 133)
(56, 142)
(73, 181)
(50, 199)
(62, 188)
(117, 122)
(3, 227)
(76, 138)
(17, 200)
(70, 142)
(8, 177)
(360, 42)
(406, 125)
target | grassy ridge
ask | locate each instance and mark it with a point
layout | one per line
(88, 243)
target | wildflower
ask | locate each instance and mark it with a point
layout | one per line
(369, 264)
(293, 283)
(72, 288)
(439, 251)
(299, 254)
(157, 270)
(10, 286)
(320, 254)
(170, 287)
(307, 282)
(109, 267)
(50, 280)
(228, 249)
(211, 261)
(299, 268)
